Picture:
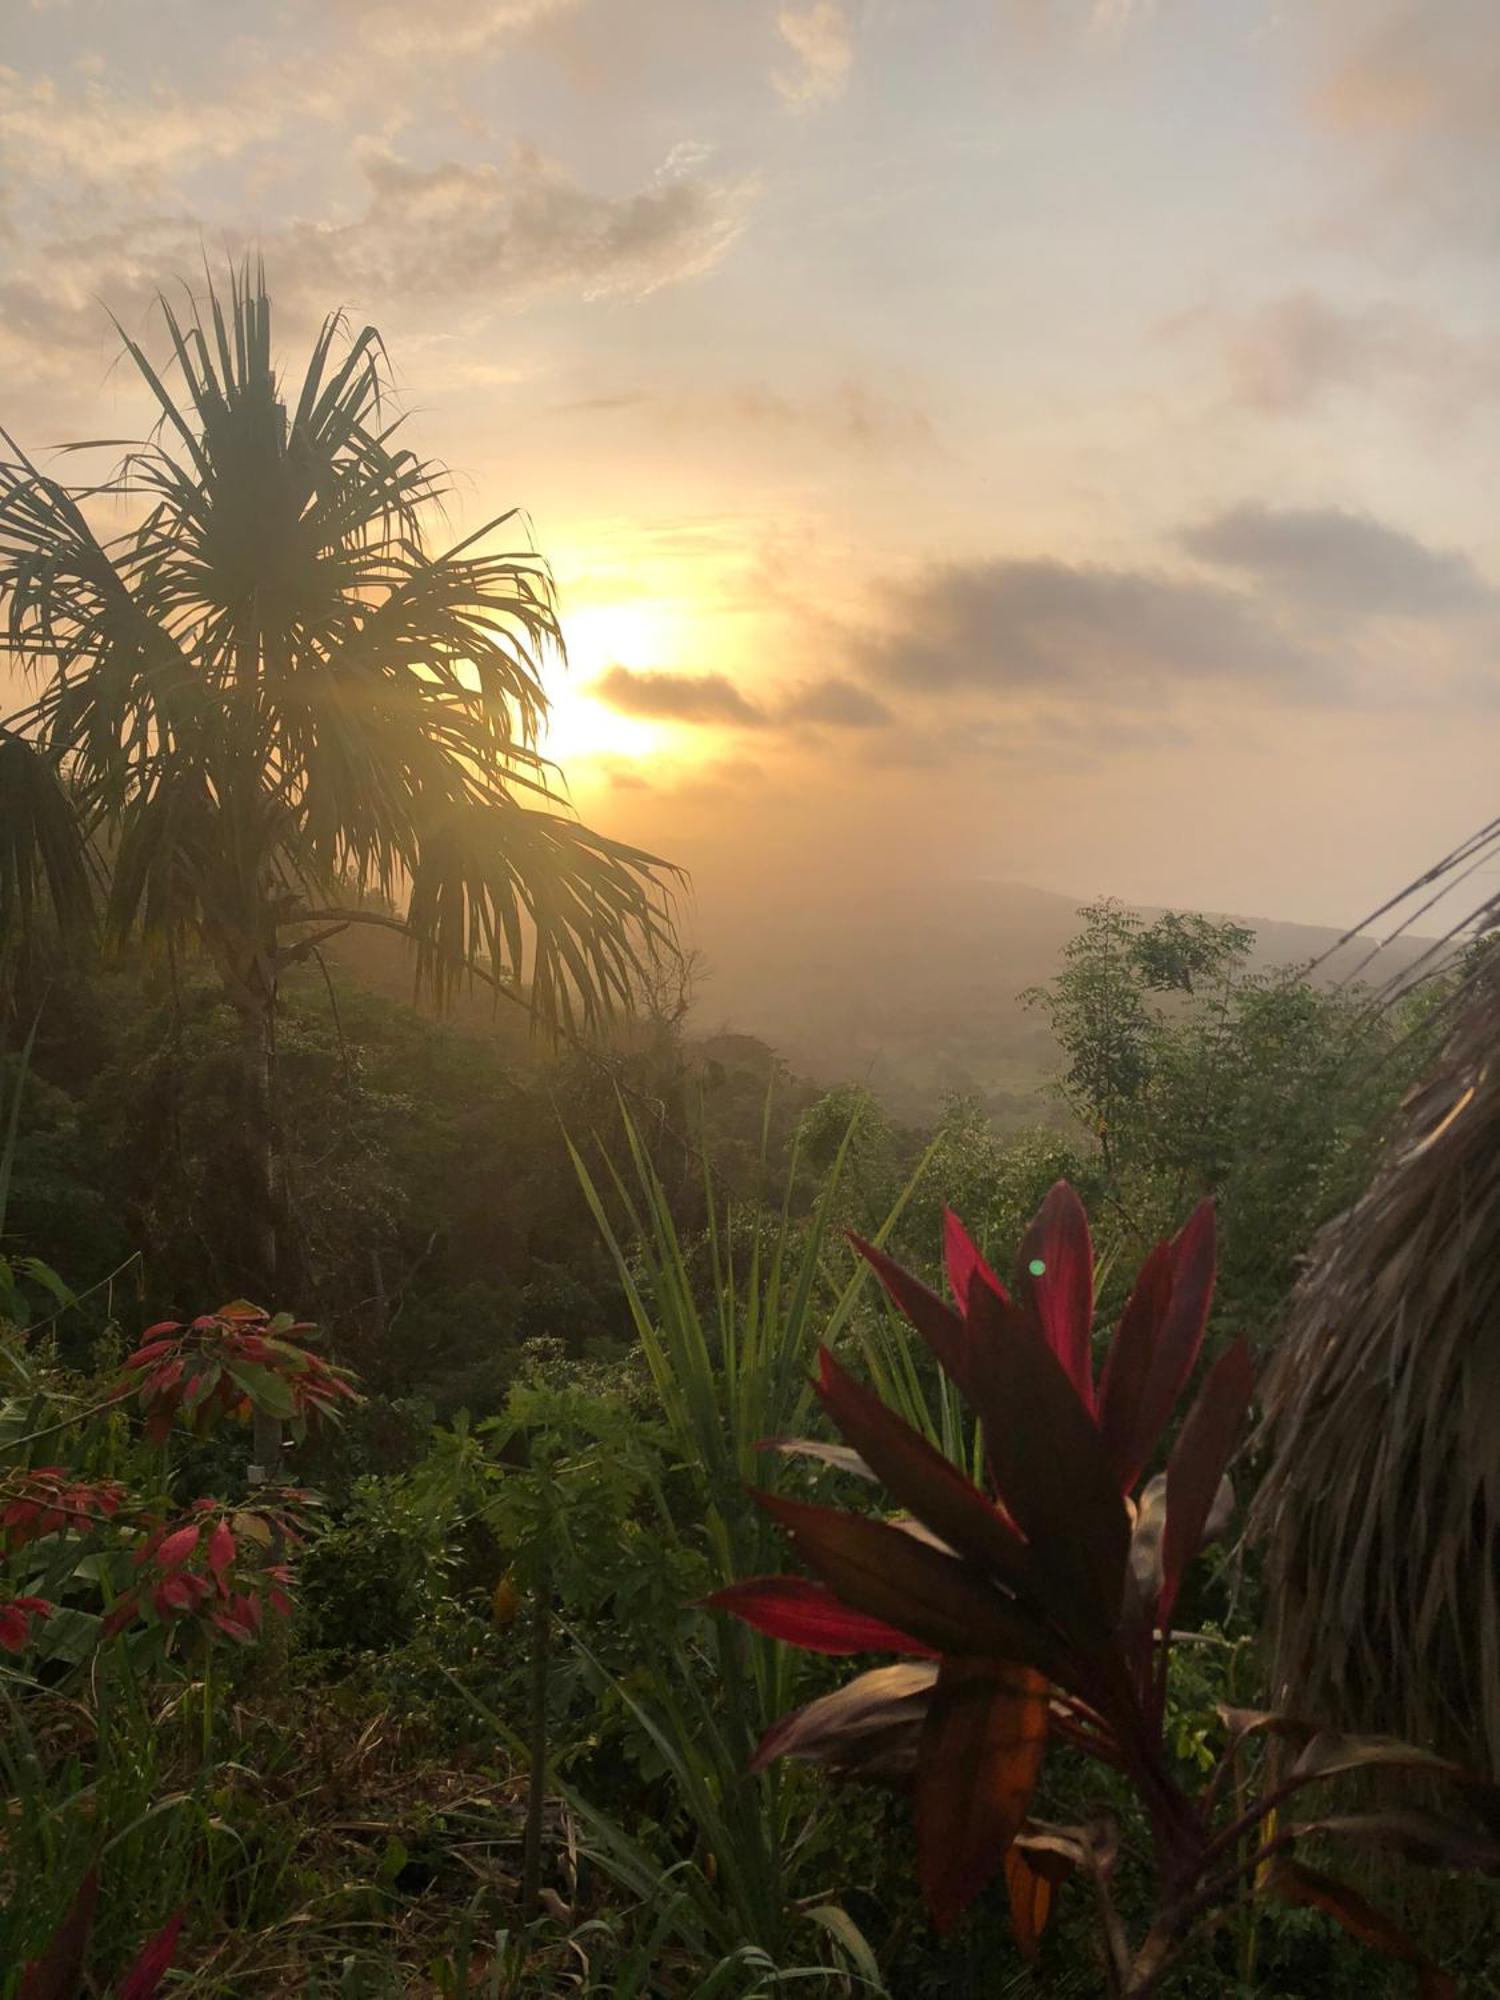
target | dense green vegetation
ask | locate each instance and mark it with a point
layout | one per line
(568, 1362)
(382, 1395)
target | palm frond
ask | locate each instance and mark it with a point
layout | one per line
(44, 863)
(270, 686)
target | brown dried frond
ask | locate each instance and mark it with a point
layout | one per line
(1380, 1513)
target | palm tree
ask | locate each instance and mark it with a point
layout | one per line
(264, 711)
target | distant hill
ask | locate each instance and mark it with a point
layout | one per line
(917, 998)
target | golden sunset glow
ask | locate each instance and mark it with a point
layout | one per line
(581, 727)
(1006, 450)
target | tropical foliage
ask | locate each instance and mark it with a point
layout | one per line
(381, 1648)
(266, 711)
(1045, 1607)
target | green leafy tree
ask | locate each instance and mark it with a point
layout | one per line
(265, 711)
(1198, 1076)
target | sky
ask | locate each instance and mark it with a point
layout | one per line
(1044, 440)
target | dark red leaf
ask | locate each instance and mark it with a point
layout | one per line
(977, 1765)
(150, 1352)
(1202, 1451)
(144, 1978)
(961, 1254)
(921, 1480)
(1127, 1368)
(58, 1973)
(1175, 1353)
(938, 1323)
(905, 1582)
(1061, 1293)
(1311, 1889)
(869, 1728)
(806, 1614)
(1050, 1470)
(178, 1546)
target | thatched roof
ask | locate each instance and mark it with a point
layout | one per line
(1380, 1514)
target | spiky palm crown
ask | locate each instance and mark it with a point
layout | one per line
(266, 696)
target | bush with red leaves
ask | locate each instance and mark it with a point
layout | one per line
(16, 1617)
(42, 1500)
(210, 1566)
(230, 1363)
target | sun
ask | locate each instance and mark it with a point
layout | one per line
(581, 729)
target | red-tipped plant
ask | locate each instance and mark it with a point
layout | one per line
(1042, 1606)
(231, 1363)
(45, 1500)
(195, 1569)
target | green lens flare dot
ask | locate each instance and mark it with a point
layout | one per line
(1036, 1267)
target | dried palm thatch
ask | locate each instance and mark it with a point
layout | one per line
(1380, 1512)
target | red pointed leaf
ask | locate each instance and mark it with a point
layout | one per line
(58, 1973)
(920, 1479)
(961, 1254)
(939, 1325)
(1050, 1470)
(145, 1976)
(1061, 1293)
(878, 1569)
(806, 1614)
(1175, 1354)
(178, 1547)
(1202, 1451)
(220, 1548)
(150, 1352)
(1127, 1369)
(977, 1767)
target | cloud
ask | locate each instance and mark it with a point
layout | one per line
(494, 233)
(820, 33)
(850, 415)
(95, 136)
(676, 697)
(1414, 83)
(1292, 352)
(837, 704)
(829, 703)
(1326, 559)
(401, 30)
(1079, 632)
(522, 227)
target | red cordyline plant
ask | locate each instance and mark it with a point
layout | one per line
(230, 1363)
(1044, 1606)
